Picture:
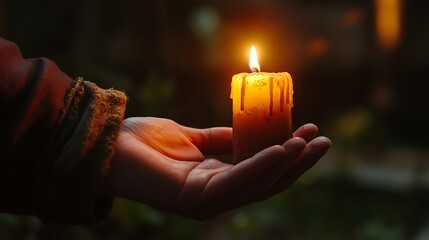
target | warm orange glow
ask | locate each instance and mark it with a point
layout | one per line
(253, 63)
(388, 22)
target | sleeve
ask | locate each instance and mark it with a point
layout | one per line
(56, 140)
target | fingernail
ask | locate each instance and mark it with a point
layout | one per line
(294, 143)
(307, 125)
(324, 139)
(321, 144)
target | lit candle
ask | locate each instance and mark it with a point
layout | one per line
(261, 109)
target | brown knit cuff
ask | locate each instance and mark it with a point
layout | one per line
(89, 131)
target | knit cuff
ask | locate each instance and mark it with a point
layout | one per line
(91, 122)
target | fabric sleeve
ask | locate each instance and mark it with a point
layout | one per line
(56, 140)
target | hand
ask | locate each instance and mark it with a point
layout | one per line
(163, 164)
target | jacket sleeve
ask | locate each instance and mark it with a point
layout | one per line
(56, 140)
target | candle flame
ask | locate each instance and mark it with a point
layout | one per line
(253, 63)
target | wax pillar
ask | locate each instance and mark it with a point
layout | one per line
(262, 117)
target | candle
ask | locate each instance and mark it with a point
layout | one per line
(261, 108)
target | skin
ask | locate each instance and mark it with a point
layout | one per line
(164, 164)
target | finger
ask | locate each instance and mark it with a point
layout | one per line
(293, 149)
(253, 175)
(312, 153)
(217, 140)
(225, 183)
(252, 191)
(307, 132)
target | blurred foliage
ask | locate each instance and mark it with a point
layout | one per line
(175, 59)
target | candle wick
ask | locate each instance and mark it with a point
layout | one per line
(254, 69)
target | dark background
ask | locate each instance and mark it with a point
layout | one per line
(175, 59)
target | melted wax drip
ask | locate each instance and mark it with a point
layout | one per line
(282, 94)
(243, 91)
(288, 91)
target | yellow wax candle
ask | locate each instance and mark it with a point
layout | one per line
(262, 104)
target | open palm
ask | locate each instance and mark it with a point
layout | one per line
(164, 164)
